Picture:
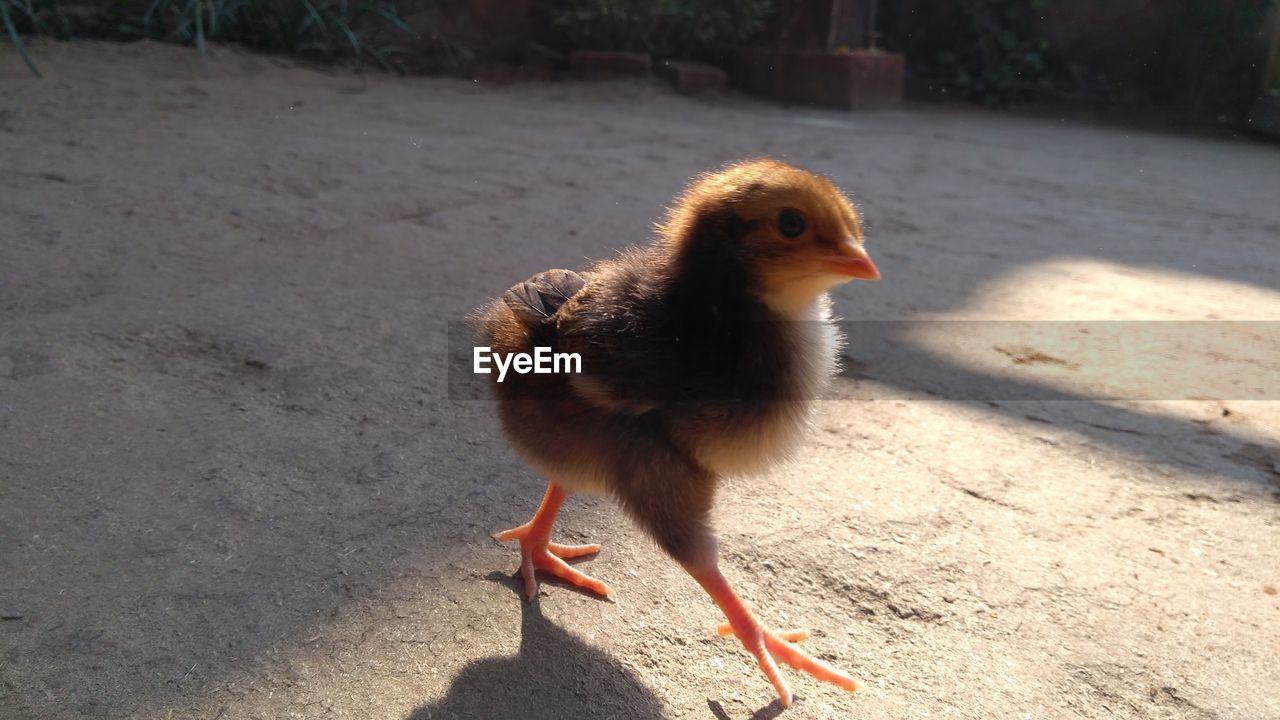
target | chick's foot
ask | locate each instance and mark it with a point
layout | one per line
(781, 646)
(538, 552)
(768, 646)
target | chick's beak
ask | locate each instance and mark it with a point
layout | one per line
(851, 260)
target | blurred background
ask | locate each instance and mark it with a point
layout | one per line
(1193, 62)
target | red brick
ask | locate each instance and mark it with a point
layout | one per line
(596, 64)
(691, 77)
(850, 81)
(759, 71)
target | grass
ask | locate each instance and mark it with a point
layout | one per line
(20, 16)
(7, 10)
(324, 30)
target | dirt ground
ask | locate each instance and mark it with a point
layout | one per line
(233, 484)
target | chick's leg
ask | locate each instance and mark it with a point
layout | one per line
(695, 548)
(671, 497)
(766, 645)
(537, 550)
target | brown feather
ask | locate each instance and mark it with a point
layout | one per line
(691, 370)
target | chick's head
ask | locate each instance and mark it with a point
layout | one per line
(793, 233)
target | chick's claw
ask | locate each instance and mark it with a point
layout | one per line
(537, 553)
(768, 647)
(724, 629)
(537, 550)
(572, 551)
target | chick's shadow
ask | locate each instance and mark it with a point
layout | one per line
(554, 675)
(768, 712)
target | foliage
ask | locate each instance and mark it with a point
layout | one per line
(669, 28)
(319, 29)
(324, 29)
(1221, 61)
(23, 16)
(998, 54)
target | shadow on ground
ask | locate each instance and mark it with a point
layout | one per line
(768, 712)
(554, 675)
(912, 372)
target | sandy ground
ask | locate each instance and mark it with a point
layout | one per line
(233, 485)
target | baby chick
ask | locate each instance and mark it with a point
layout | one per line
(701, 355)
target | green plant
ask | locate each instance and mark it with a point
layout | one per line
(22, 10)
(672, 28)
(1220, 61)
(325, 29)
(40, 16)
(998, 55)
(193, 21)
(320, 29)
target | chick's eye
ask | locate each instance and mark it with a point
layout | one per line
(790, 223)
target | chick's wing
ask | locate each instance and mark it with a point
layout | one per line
(537, 299)
(627, 363)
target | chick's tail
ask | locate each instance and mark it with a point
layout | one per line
(535, 300)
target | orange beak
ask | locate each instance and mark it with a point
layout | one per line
(852, 261)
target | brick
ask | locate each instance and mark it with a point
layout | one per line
(759, 71)
(850, 81)
(596, 64)
(691, 77)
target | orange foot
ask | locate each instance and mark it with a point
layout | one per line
(768, 646)
(537, 552)
(765, 645)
